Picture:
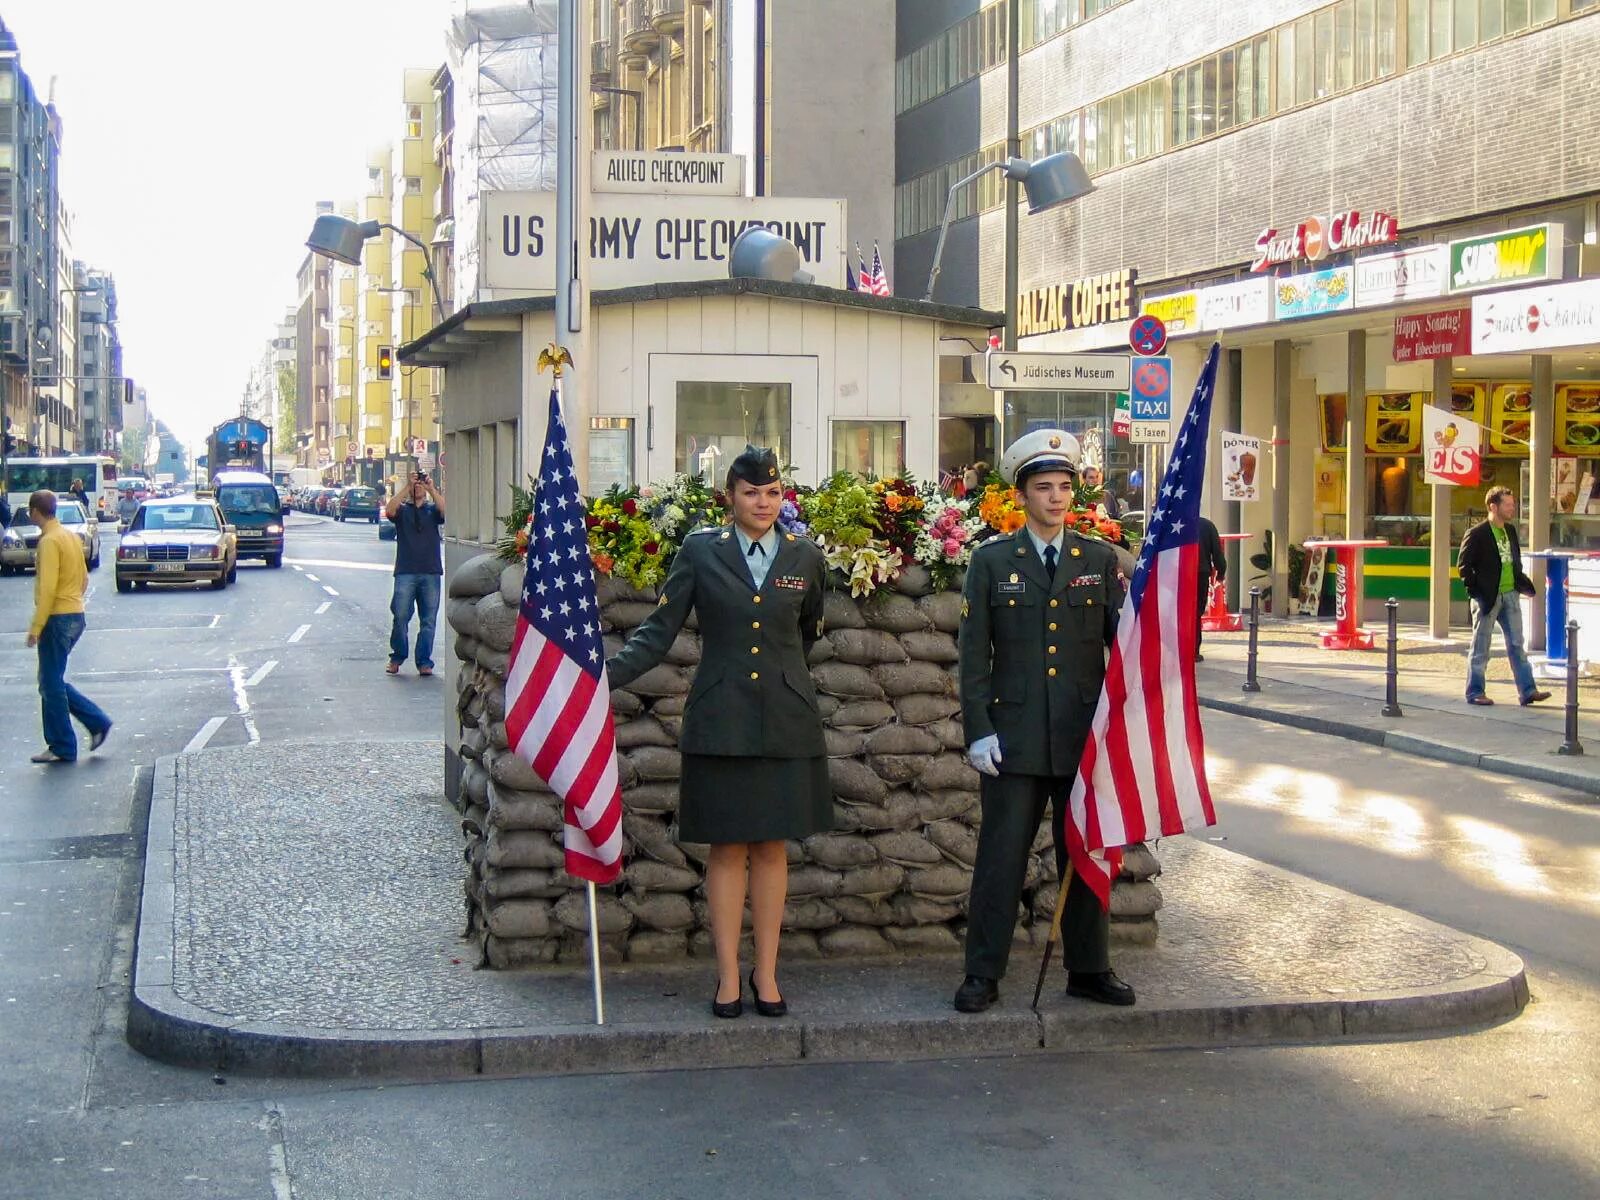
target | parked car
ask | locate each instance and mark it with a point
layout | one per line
(284, 504)
(181, 540)
(19, 544)
(358, 503)
(386, 532)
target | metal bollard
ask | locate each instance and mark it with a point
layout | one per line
(1391, 690)
(1572, 746)
(1251, 684)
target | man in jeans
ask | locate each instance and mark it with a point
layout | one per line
(60, 577)
(1490, 566)
(417, 511)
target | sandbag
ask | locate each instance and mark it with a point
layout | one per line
(901, 739)
(847, 681)
(854, 781)
(877, 881)
(839, 852)
(852, 941)
(523, 848)
(839, 611)
(651, 837)
(926, 645)
(647, 875)
(906, 848)
(862, 910)
(572, 911)
(957, 841)
(507, 954)
(656, 763)
(660, 910)
(497, 623)
(857, 714)
(478, 576)
(905, 679)
(922, 939)
(865, 647)
(519, 919)
(923, 709)
(943, 611)
(658, 946)
(896, 614)
(899, 768)
(642, 731)
(462, 615)
(652, 798)
(809, 914)
(813, 881)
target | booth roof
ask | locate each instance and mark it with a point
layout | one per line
(452, 337)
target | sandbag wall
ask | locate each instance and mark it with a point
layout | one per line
(893, 876)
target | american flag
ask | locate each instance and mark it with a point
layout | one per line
(1143, 771)
(878, 282)
(863, 276)
(558, 703)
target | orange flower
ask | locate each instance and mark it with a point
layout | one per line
(602, 562)
(522, 540)
(895, 501)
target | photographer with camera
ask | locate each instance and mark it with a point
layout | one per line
(417, 510)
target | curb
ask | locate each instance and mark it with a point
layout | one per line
(1407, 743)
(165, 1026)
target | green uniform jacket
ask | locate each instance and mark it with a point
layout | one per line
(752, 693)
(1033, 649)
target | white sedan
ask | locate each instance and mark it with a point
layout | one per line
(19, 544)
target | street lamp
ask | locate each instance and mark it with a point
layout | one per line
(341, 239)
(1050, 182)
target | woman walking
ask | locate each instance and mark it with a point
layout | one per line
(755, 768)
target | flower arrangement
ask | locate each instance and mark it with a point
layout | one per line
(869, 530)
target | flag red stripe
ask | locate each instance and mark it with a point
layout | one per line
(1168, 564)
(521, 712)
(1119, 757)
(1189, 630)
(588, 781)
(567, 723)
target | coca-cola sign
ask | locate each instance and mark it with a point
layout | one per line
(1317, 237)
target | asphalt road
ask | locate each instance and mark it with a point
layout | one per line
(1503, 1110)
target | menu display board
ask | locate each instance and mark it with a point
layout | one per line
(1510, 418)
(1578, 419)
(1394, 422)
(1469, 400)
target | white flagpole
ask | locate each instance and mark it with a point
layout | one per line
(594, 959)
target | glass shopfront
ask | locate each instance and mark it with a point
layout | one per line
(1089, 417)
(715, 421)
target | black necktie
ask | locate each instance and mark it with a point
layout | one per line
(754, 546)
(1050, 560)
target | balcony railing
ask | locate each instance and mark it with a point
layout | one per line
(599, 62)
(667, 16)
(638, 34)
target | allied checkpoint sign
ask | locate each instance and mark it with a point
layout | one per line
(1151, 400)
(645, 238)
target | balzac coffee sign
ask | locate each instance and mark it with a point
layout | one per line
(1094, 301)
(1315, 238)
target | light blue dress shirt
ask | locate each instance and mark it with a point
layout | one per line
(1039, 543)
(761, 561)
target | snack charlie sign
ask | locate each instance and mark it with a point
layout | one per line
(1451, 447)
(644, 238)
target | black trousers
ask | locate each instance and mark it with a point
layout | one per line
(1013, 806)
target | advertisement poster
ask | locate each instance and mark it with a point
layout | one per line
(1510, 418)
(1315, 292)
(1452, 448)
(1241, 457)
(1578, 419)
(1392, 423)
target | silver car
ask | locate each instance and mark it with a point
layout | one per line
(19, 544)
(182, 540)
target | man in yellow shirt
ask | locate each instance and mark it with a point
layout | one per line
(60, 577)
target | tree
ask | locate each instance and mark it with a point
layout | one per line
(134, 444)
(287, 433)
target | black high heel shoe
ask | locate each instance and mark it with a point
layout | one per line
(733, 1008)
(768, 1008)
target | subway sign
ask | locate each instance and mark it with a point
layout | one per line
(1528, 255)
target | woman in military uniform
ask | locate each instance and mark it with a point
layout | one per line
(755, 768)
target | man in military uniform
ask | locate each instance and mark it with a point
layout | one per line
(1038, 612)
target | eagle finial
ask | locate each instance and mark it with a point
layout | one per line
(554, 357)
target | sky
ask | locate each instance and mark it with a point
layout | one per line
(197, 137)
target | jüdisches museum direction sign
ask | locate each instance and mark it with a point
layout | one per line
(643, 238)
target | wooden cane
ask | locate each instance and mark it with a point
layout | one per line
(1055, 934)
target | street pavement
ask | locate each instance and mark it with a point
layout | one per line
(1508, 1107)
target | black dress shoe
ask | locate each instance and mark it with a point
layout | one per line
(976, 994)
(768, 1008)
(733, 1008)
(1103, 987)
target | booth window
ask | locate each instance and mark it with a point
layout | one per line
(715, 421)
(874, 448)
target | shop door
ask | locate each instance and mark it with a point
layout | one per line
(704, 409)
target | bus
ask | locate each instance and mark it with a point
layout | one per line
(25, 475)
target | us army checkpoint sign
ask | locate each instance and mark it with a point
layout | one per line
(1009, 371)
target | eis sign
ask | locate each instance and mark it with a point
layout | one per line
(1315, 238)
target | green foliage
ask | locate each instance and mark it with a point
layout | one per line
(843, 511)
(287, 434)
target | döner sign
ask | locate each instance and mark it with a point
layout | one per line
(1315, 238)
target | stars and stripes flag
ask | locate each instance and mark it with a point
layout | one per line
(878, 282)
(558, 703)
(1143, 771)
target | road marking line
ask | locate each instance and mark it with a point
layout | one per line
(312, 577)
(299, 633)
(262, 672)
(323, 607)
(216, 620)
(301, 563)
(329, 590)
(206, 733)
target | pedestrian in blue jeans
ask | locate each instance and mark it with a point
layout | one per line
(1490, 566)
(417, 511)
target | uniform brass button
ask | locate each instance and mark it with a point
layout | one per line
(755, 649)
(1051, 649)
(1052, 626)
(1090, 603)
(1011, 603)
(757, 599)
(1054, 603)
(755, 624)
(755, 674)
(1051, 672)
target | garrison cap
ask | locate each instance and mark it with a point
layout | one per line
(1041, 450)
(757, 465)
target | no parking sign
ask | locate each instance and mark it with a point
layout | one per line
(1151, 400)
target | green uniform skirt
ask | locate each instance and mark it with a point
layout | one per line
(723, 798)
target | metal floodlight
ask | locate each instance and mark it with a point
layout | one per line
(1052, 180)
(340, 238)
(761, 254)
(1049, 182)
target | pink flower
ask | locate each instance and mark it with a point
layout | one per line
(952, 548)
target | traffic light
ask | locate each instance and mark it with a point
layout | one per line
(385, 362)
(127, 391)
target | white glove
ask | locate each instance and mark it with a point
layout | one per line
(984, 754)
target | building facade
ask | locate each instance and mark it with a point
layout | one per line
(1292, 178)
(314, 360)
(99, 353)
(416, 183)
